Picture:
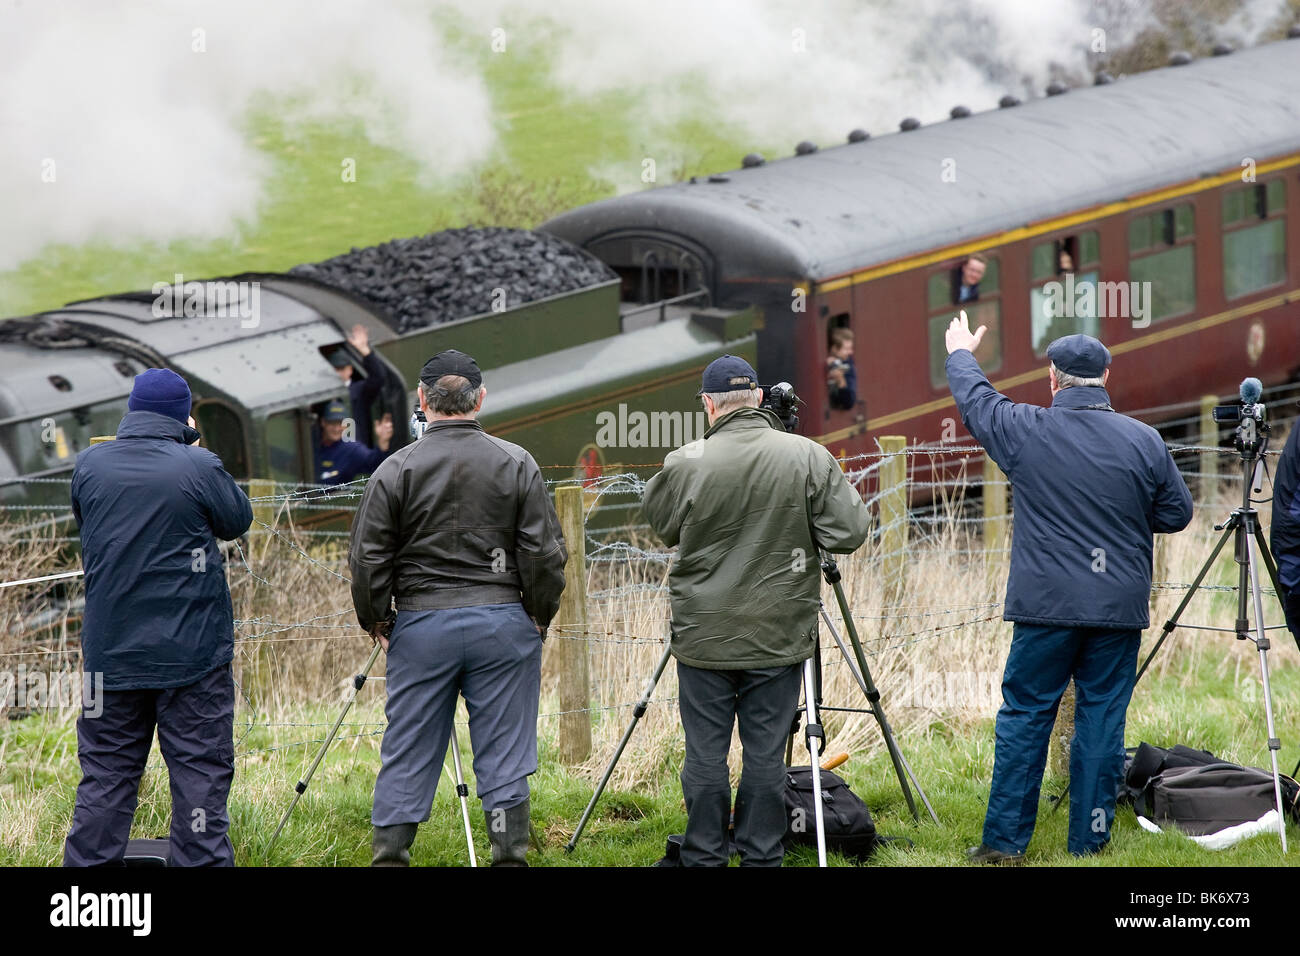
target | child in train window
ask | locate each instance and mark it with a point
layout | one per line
(841, 375)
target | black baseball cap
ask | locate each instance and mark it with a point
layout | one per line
(340, 358)
(451, 362)
(1080, 355)
(334, 412)
(728, 374)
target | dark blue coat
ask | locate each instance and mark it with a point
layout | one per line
(362, 393)
(1285, 532)
(339, 462)
(151, 508)
(1090, 486)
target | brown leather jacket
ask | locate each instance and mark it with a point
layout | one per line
(456, 519)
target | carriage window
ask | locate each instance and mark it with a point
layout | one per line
(1162, 260)
(1172, 278)
(1063, 300)
(944, 298)
(984, 312)
(1254, 238)
(284, 455)
(223, 435)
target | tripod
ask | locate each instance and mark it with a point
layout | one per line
(358, 681)
(862, 677)
(1243, 527)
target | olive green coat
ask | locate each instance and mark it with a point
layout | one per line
(739, 503)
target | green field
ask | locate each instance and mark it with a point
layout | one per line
(1205, 699)
(548, 147)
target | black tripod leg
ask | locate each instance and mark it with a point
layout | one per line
(637, 713)
(358, 682)
(872, 693)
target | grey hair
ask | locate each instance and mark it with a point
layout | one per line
(724, 402)
(451, 395)
(1066, 380)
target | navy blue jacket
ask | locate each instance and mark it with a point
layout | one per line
(1091, 487)
(339, 462)
(151, 508)
(362, 393)
(1285, 532)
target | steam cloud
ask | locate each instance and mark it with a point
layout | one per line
(149, 139)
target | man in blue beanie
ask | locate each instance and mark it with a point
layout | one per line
(158, 627)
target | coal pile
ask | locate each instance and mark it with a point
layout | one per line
(427, 280)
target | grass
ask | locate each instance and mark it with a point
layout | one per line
(1203, 690)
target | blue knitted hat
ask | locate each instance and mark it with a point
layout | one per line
(163, 391)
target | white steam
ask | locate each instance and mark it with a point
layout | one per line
(149, 140)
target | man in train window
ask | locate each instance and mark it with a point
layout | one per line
(841, 374)
(363, 390)
(339, 460)
(1091, 489)
(966, 279)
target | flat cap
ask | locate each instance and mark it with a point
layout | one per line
(1079, 355)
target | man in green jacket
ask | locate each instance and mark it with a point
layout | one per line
(742, 505)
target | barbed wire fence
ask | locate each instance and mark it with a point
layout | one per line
(925, 592)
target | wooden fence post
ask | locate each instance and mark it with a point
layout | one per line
(570, 651)
(1209, 439)
(893, 516)
(995, 508)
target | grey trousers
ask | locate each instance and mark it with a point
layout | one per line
(491, 654)
(763, 701)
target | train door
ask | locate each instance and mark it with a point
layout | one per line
(222, 428)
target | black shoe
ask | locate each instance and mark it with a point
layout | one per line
(986, 854)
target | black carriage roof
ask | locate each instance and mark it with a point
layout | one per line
(844, 208)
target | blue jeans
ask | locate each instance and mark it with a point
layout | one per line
(1103, 664)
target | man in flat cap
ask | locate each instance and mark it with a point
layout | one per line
(1091, 488)
(747, 506)
(458, 531)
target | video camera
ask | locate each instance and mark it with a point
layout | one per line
(782, 402)
(418, 424)
(1250, 417)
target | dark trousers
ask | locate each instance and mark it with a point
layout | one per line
(195, 725)
(492, 654)
(1291, 608)
(763, 702)
(1042, 660)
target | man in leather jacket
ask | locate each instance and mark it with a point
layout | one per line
(458, 531)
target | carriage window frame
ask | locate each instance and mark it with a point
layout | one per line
(1087, 268)
(1166, 230)
(1255, 209)
(987, 310)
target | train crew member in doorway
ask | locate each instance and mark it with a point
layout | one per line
(841, 373)
(363, 391)
(1091, 489)
(158, 628)
(458, 530)
(1284, 535)
(742, 505)
(338, 460)
(966, 279)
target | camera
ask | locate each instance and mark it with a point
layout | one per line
(1232, 414)
(418, 424)
(781, 401)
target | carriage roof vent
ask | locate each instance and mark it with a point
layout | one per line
(959, 112)
(805, 148)
(752, 159)
(1181, 58)
(1008, 101)
(909, 124)
(859, 136)
(1103, 78)
(1294, 32)
(1222, 49)
(1056, 88)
